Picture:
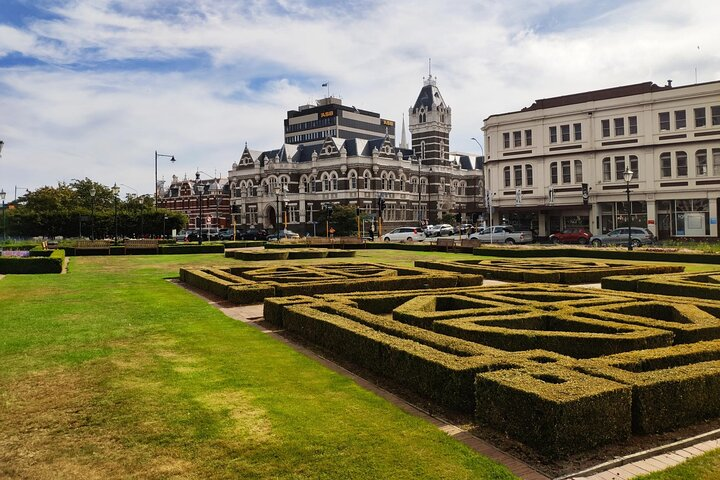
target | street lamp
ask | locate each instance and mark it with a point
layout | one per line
(215, 189)
(277, 191)
(165, 217)
(2, 197)
(172, 159)
(92, 199)
(482, 150)
(628, 175)
(115, 191)
(199, 191)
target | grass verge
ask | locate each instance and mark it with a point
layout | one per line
(704, 467)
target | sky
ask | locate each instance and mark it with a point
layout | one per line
(93, 88)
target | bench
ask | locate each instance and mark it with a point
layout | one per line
(142, 244)
(446, 243)
(470, 242)
(93, 245)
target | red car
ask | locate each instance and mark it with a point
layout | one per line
(571, 235)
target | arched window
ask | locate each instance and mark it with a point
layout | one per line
(391, 182)
(423, 185)
(554, 173)
(414, 185)
(352, 176)
(325, 182)
(333, 181)
(383, 181)
(367, 179)
(402, 183)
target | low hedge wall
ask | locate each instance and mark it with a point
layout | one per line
(553, 409)
(671, 387)
(590, 252)
(699, 285)
(187, 249)
(37, 262)
(551, 271)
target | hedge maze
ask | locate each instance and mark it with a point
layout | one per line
(700, 285)
(547, 271)
(560, 368)
(278, 254)
(251, 284)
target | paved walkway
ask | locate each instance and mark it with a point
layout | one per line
(640, 463)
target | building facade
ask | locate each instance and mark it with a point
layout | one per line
(211, 209)
(561, 162)
(293, 184)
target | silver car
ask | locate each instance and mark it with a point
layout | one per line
(619, 236)
(404, 234)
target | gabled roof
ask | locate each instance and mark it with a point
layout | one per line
(429, 97)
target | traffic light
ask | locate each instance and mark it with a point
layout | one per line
(357, 211)
(329, 210)
(458, 217)
(381, 204)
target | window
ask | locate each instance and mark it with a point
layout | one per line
(506, 140)
(566, 177)
(553, 134)
(577, 131)
(716, 161)
(664, 118)
(701, 169)
(293, 214)
(528, 175)
(517, 172)
(506, 175)
(517, 139)
(353, 181)
(681, 164)
(565, 131)
(606, 128)
(665, 165)
(715, 115)
(578, 171)
(619, 168)
(528, 137)
(632, 125)
(413, 185)
(606, 169)
(619, 126)
(634, 166)
(553, 173)
(680, 120)
(699, 117)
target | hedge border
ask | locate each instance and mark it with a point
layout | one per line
(37, 262)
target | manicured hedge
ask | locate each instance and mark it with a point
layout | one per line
(700, 284)
(187, 249)
(260, 255)
(553, 409)
(588, 252)
(36, 263)
(549, 271)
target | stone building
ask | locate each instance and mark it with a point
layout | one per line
(420, 184)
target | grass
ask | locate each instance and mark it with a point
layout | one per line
(704, 467)
(111, 371)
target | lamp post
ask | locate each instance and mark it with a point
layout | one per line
(215, 190)
(115, 192)
(165, 217)
(419, 194)
(482, 150)
(199, 191)
(2, 197)
(277, 190)
(92, 199)
(628, 175)
(172, 160)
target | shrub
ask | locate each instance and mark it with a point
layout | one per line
(35, 263)
(187, 249)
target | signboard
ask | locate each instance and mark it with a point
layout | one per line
(327, 114)
(388, 123)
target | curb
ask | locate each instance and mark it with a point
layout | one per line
(645, 454)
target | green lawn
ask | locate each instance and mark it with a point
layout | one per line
(111, 371)
(704, 467)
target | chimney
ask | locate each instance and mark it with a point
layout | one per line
(669, 84)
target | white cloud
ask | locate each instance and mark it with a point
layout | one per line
(200, 78)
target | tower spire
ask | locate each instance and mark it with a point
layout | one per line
(403, 138)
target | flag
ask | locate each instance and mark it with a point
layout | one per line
(324, 84)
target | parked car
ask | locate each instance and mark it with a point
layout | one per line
(619, 236)
(194, 235)
(253, 234)
(404, 234)
(228, 234)
(181, 236)
(502, 234)
(571, 235)
(289, 234)
(439, 230)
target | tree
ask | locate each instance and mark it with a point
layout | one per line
(343, 220)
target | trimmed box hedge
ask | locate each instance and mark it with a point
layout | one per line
(546, 271)
(187, 249)
(37, 262)
(700, 284)
(553, 409)
(637, 254)
(572, 394)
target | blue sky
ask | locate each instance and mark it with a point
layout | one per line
(91, 88)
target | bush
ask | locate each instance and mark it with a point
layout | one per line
(553, 409)
(36, 263)
(187, 249)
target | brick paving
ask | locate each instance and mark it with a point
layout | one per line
(620, 469)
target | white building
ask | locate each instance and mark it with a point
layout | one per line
(541, 160)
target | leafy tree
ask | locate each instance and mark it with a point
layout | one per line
(343, 220)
